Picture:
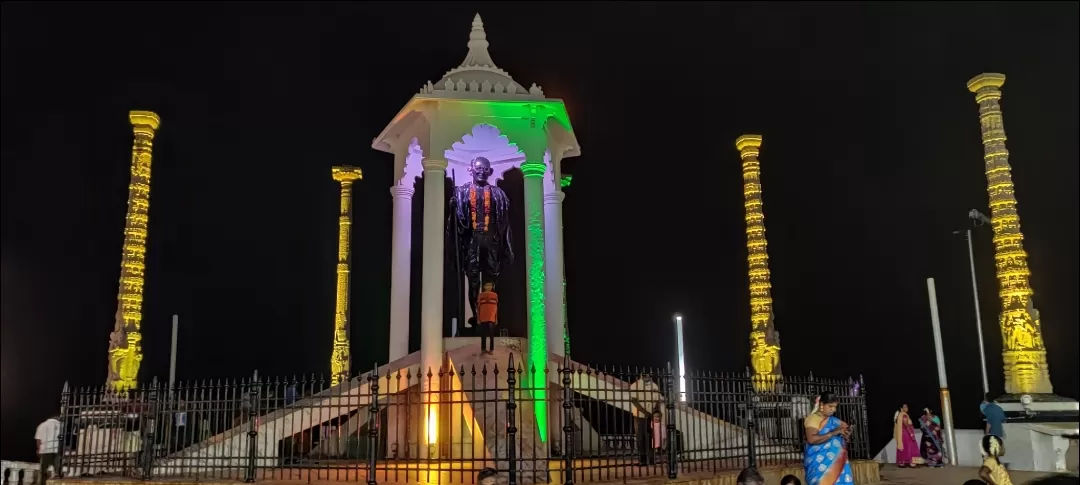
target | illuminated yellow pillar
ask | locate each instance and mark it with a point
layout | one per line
(125, 341)
(764, 347)
(1026, 369)
(339, 358)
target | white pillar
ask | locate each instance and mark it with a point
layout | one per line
(401, 268)
(431, 301)
(553, 270)
(431, 310)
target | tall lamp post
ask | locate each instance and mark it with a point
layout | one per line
(977, 219)
(682, 359)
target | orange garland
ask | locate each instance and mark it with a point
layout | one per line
(487, 209)
(472, 207)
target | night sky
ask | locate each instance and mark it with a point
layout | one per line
(871, 158)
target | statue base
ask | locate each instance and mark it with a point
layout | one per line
(1039, 407)
(1040, 431)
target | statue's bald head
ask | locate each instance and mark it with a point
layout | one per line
(480, 169)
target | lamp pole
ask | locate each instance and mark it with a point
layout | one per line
(682, 359)
(977, 219)
(946, 399)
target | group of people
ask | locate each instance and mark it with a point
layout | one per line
(750, 476)
(912, 453)
(825, 460)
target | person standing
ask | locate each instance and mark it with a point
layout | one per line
(995, 417)
(487, 309)
(658, 437)
(931, 438)
(47, 437)
(907, 449)
(825, 460)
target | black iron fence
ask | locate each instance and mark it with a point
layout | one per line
(534, 426)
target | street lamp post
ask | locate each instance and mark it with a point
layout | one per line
(978, 219)
(682, 359)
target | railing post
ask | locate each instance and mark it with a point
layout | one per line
(65, 398)
(672, 472)
(253, 432)
(568, 425)
(373, 424)
(511, 422)
(751, 453)
(149, 423)
(864, 432)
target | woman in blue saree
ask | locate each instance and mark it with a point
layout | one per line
(826, 460)
(931, 438)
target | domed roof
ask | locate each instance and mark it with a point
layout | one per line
(478, 76)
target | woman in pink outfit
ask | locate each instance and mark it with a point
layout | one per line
(907, 449)
(659, 436)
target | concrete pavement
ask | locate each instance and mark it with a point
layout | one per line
(892, 475)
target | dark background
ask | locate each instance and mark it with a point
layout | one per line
(871, 159)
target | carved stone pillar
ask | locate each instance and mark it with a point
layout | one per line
(339, 357)
(1024, 355)
(125, 341)
(764, 345)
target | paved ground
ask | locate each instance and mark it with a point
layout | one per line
(944, 476)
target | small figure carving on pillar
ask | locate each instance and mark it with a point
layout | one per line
(480, 220)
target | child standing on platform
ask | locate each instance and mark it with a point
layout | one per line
(992, 471)
(487, 309)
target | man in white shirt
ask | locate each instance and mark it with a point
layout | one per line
(48, 446)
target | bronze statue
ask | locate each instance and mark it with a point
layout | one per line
(480, 222)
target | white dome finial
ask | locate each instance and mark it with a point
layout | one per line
(478, 44)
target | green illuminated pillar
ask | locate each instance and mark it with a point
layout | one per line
(533, 172)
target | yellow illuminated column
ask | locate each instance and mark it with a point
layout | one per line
(764, 344)
(1026, 370)
(125, 341)
(339, 358)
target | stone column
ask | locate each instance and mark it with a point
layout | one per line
(533, 172)
(1024, 355)
(401, 267)
(553, 266)
(764, 347)
(339, 356)
(431, 311)
(125, 341)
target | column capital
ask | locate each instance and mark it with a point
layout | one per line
(400, 190)
(554, 197)
(748, 145)
(145, 122)
(346, 174)
(991, 80)
(533, 168)
(433, 164)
